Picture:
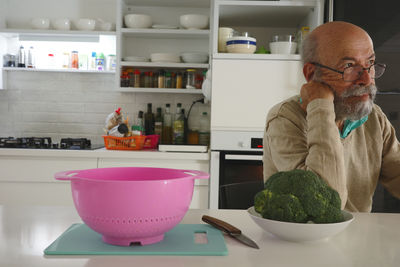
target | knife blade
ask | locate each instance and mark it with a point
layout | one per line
(230, 230)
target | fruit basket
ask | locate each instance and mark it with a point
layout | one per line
(124, 143)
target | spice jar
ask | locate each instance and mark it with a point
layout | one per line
(179, 80)
(161, 78)
(173, 80)
(125, 79)
(167, 80)
(198, 81)
(136, 78)
(190, 79)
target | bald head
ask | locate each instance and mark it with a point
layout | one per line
(333, 38)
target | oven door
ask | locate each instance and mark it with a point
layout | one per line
(240, 178)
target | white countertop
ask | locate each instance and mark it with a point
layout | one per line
(370, 240)
(103, 153)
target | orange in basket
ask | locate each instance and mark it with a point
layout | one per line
(124, 143)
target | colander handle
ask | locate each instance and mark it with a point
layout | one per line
(65, 175)
(198, 174)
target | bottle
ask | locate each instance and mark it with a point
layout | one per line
(149, 120)
(31, 58)
(100, 62)
(92, 61)
(178, 127)
(158, 125)
(167, 126)
(74, 60)
(83, 62)
(65, 60)
(204, 131)
(111, 62)
(21, 57)
(138, 128)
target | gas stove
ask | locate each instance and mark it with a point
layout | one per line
(46, 143)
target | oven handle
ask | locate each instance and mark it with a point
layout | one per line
(243, 157)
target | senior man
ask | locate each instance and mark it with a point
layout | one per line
(333, 127)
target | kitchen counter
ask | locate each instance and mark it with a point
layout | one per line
(103, 153)
(370, 240)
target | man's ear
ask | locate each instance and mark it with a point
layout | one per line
(308, 71)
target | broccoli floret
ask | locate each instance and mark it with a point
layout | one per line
(298, 196)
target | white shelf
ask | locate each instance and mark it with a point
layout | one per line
(164, 65)
(295, 57)
(166, 33)
(159, 90)
(264, 13)
(31, 32)
(57, 70)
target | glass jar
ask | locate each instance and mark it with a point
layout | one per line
(125, 79)
(190, 79)
(168, 80)
(161, 78)
(74, 60)
(136, 78)
(179, 80)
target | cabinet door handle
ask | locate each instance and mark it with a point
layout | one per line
(244, 157)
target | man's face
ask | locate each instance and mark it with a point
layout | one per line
(353, 99)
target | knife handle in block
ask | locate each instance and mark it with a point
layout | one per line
(221, 225)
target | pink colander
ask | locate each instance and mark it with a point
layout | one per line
(130, 204)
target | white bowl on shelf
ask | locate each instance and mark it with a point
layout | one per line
(241, 44)
(40, 23)
(194, 21)
(300, 232)
(85, 24)
(165, 57)
(61, 24)
(194, 57)
(138, 21)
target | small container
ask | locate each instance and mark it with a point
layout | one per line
(193, 137)
(111, 62)
(125, 79)
(65, 60)
(173, 80)
(190, 79)
(100, 62)
(51, 61)
(148, 80)
(168, 80)
(161, 79)
(136, 78)
(74, 60)
(179, 80)
(83, 62)
(198, 81)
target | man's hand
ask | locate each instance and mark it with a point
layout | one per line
(313, 90)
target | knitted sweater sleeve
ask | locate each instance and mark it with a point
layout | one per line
(315, 146)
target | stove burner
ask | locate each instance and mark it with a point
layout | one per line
(44, 143)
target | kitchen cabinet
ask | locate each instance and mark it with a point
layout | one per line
(144, 42)
(27, 175)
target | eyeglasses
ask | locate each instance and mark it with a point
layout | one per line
(353, 73)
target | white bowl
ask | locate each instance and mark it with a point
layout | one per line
(241, 44)
(85, 24)
(283, 47)
(165, 57)
(61, 24)
(138, 21)
(194, 57)
(194, 21)
(106, 26)
(299, 232)
(40, 23)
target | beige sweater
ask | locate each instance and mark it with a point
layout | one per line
(294, 139)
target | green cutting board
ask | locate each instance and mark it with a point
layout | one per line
(79, 239)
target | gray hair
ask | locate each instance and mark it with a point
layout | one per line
(309, 51)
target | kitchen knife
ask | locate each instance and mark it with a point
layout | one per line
(230, 230)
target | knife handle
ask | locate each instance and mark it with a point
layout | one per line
(221, 225)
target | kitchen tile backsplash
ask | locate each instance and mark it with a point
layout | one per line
(60, 105)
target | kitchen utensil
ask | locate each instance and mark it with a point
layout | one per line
(131, 204)
(61, 24)
(230, 230)
(223, 34)
(299, 232)
(79, 239)
(194, 57)
(40, 23)
(138, 21)
(165, 57)
(241, 44)
(194, 21)
(283, 44)
(85, 24)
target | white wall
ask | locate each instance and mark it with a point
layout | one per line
(58, 105)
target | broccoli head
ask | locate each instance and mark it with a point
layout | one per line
(298, 196)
